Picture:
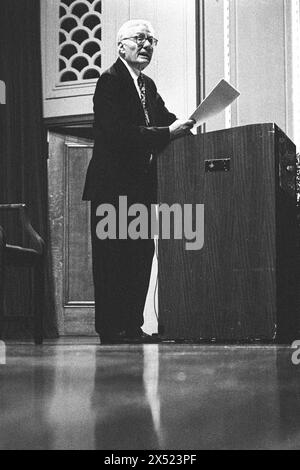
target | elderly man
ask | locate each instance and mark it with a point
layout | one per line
(131, 125)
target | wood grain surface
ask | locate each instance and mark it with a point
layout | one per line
(239, 285)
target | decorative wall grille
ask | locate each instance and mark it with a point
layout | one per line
(79, 40)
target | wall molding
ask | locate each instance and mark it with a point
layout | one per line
(227, 54)
(295, 5)
(200, 53)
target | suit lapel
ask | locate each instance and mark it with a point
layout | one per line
(130, 86)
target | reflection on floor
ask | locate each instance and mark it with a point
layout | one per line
(80, 395)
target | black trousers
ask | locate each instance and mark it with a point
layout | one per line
(121, 273)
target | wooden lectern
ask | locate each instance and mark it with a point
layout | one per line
(241, 285)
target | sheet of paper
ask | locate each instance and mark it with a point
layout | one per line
(219, 98)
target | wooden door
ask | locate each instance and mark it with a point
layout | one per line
(70, 233)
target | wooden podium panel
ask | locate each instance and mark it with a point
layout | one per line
(241, 284)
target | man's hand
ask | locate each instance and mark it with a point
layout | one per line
(180, 128)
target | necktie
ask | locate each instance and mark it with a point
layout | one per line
(141, 84)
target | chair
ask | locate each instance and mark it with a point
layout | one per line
(2, 249)
(19, 256)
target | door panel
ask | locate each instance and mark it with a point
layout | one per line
(70, 233)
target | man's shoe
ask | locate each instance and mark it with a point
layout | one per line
(132, 336)
(138, 336)
(113, 338)
(149, 339)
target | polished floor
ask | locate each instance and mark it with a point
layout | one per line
(76, 394)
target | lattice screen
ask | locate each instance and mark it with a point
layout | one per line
(79, 40)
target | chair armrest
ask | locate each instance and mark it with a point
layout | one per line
(2, 241)
(35, 239)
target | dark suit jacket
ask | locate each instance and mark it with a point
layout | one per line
(123, 144)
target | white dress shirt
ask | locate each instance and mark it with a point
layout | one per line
(134, 76)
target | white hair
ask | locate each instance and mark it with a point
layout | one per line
(123, 31)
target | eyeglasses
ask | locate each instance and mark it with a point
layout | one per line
(141, 38)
